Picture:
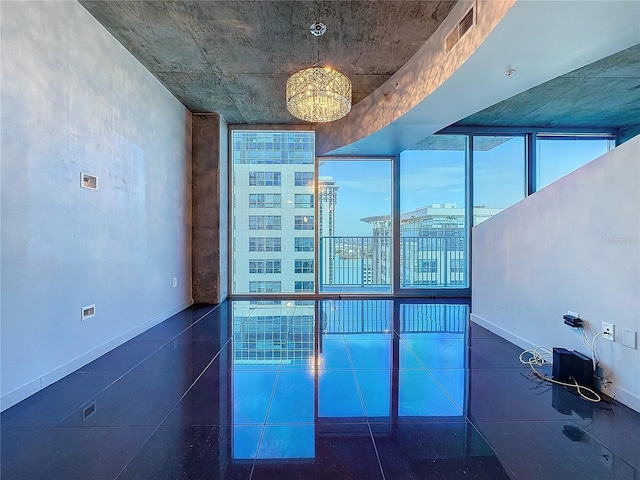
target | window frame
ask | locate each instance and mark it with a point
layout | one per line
(306, 180)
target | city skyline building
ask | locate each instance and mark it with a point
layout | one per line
(433, 245)
(275, 246)
(274, 208)
(273, 212)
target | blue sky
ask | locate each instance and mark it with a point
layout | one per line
(365, 190)
(428, 177)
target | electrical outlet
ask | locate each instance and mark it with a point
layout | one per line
(87, 312)
(608, 331)
(175, 282)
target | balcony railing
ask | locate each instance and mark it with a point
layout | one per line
(355, 261)
(433, 261)
(365, 262)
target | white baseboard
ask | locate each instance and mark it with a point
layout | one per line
(519, 341)
(10, 399)
(623, 396)
(627, 398)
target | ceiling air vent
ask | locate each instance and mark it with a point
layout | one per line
(460, 29)
(451, 40)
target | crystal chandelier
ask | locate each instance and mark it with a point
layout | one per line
(318, 94)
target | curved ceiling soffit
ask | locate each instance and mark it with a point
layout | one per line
(427, 70)
(435, 89)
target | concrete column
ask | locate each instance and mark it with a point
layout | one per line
(210, 187)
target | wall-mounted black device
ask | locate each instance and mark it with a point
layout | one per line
(572, 321)
(569, 366)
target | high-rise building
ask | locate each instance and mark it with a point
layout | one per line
(273, 244)
(432, 244)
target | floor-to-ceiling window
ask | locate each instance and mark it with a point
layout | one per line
(354, 225)
(561, 154)
(433, 213)
(301, 225)
(499, 181)
(273, 212)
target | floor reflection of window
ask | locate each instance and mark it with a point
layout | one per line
(432, 360)
(356, 357)
(273, 389)
(356, 381)
(368, 365)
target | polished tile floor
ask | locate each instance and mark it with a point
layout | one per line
(346, 389)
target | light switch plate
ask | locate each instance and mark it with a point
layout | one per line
(629, 338)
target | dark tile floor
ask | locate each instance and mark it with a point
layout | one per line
(348, 389)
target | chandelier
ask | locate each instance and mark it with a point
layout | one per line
(318, 94)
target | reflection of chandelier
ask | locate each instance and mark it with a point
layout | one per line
(318, 94)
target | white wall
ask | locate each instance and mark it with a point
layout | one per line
(574, 245)
(74, 100)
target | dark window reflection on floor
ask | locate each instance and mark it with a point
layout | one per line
(339, 389)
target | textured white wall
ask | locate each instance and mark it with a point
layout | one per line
(574, 245)
(74, 100)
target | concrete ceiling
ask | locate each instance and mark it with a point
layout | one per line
(604, 94)
(234, 57)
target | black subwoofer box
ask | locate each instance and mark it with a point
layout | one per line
(569, 366)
